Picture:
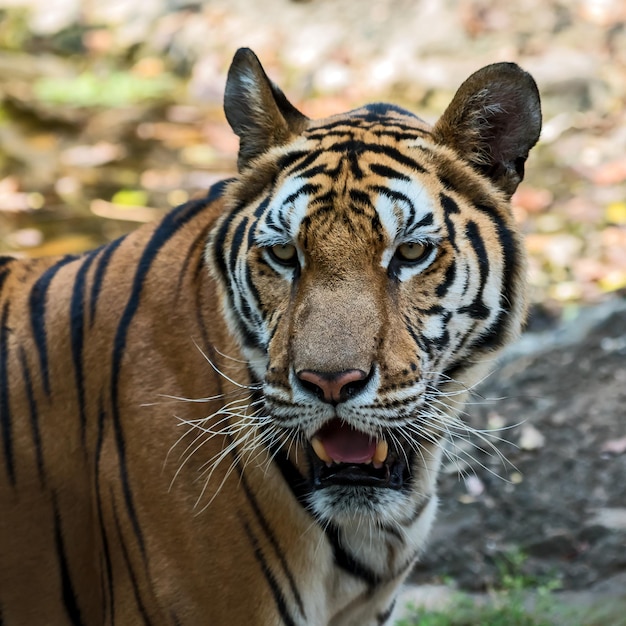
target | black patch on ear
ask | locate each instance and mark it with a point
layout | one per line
(493, 121)
(256, 109)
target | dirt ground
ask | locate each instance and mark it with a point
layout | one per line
(559, 402)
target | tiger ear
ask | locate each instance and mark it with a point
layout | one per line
(256, 109)
(493, 121)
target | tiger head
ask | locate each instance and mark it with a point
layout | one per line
(370, 267)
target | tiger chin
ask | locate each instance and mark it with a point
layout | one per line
(237, 415)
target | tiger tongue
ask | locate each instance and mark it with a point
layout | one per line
(346, 445)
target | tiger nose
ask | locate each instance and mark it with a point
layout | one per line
(333, 387)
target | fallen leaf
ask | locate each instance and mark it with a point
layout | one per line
(614, 446)
(610, 173)
(615, 212)
(474, 486)
(531, 438)
(614, 518)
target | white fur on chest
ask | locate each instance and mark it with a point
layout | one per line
(336, 597)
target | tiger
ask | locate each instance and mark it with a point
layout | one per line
(237, 414)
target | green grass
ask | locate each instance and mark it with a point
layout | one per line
(510, 609)
(502, 611)
(505, 606)
(519, 600)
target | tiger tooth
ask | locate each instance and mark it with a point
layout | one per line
(318, 448)
(380, 455)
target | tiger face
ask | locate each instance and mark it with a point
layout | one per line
(369, 267)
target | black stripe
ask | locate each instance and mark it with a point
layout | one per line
(37, 306)
(355, 167)
(427, 220)
(279, 598)
(396, 196)
(450, 275)
(98, 279)
(175, 619)
(419, 509)
(220, 260)
(477, 309)
(389, 151)
(394, 531)
(374, 117)
(347, 124)
(388, 172)
(131, 573)
(216, 191)
(361, 197)
(322, 168)
(108, 569)
(3, 276)
(247, 315)
(167, 228)
(202, 237)
(271, 537)
(450, 207)
(70, 600)
(381, 618)
(187, 261)
(261, 209)
(5, 412)
(250, 288)
(235, 245)
(419, 340)
(444, 338)
(77, 336)
(297, 483)
(348, 562)
(307, 188)
(510, 256)
(34, 415)
(398, 133)
(299, 159)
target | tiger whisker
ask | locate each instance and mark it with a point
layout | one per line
(229, 429)
(254, 387)
(235, 359)
(459, 453)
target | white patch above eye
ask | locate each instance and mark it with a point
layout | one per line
(404, 214)
(389, 214)
(280, 222)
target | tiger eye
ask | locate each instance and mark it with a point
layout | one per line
(284, 253)
(412, 251)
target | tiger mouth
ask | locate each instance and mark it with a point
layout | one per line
(342, 455)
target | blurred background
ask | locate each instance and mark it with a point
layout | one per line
(111, 112)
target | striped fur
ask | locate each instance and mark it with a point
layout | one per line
(156, 409)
